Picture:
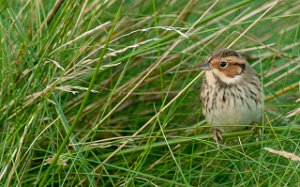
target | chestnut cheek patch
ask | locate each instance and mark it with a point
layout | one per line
(241, 69)
(234, 70)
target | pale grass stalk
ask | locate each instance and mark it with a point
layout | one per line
(207, 38)
(132, 81)
(281, 67)
(152, 166)
(4, 169)
(142, 79)
(293, 112)
(266, 46)
(218, 33)
(31, 98)
(85, 62)
(107, 140)
(38, 137)
(205, 136)
(157, 114)
(241, 144)
(20, 146)
(202, 16)
(86, 34)
(96, 2)
(293, 8)
(200, 28)
(272, 5)
(129, 93)
(148, 181)
(167, 28)
(116, 52)
(19, 14)
(80, 15)
(289, 29)
(130, 47)
(170, 150)
(269, 122)
(50, 16)
(86, 59)
(138, 83)
(285, 74)
(119, 90)
(69, 132)
(283, 153)
(149, 121)
(182, 12)
(56, 64)
(12, 102)
(22, 9)
(282, 91)
(69, 88)
(290, 46)
(274, 50)
(196, 30)
(189, 31)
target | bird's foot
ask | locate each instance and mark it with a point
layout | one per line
(217, 136)
(256, 129)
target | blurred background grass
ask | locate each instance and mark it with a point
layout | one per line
(140, 123)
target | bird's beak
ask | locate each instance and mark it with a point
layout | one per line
(205, 66)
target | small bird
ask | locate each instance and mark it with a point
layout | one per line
(231, 92)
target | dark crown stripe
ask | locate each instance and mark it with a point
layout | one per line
(225, 53)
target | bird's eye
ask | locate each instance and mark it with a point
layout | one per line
(223, 64)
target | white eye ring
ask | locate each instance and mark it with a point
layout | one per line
(223, 64)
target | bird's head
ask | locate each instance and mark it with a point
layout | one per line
(228, 65)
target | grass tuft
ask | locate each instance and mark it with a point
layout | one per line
(106, 93)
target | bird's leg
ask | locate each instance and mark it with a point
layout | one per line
(254, 129)
(217, 135)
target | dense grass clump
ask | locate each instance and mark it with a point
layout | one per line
(106, 93)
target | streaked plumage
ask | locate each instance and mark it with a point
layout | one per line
(231, 93)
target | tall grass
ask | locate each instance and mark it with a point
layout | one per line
(106, 93)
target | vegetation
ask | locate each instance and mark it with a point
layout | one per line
(106, 93)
